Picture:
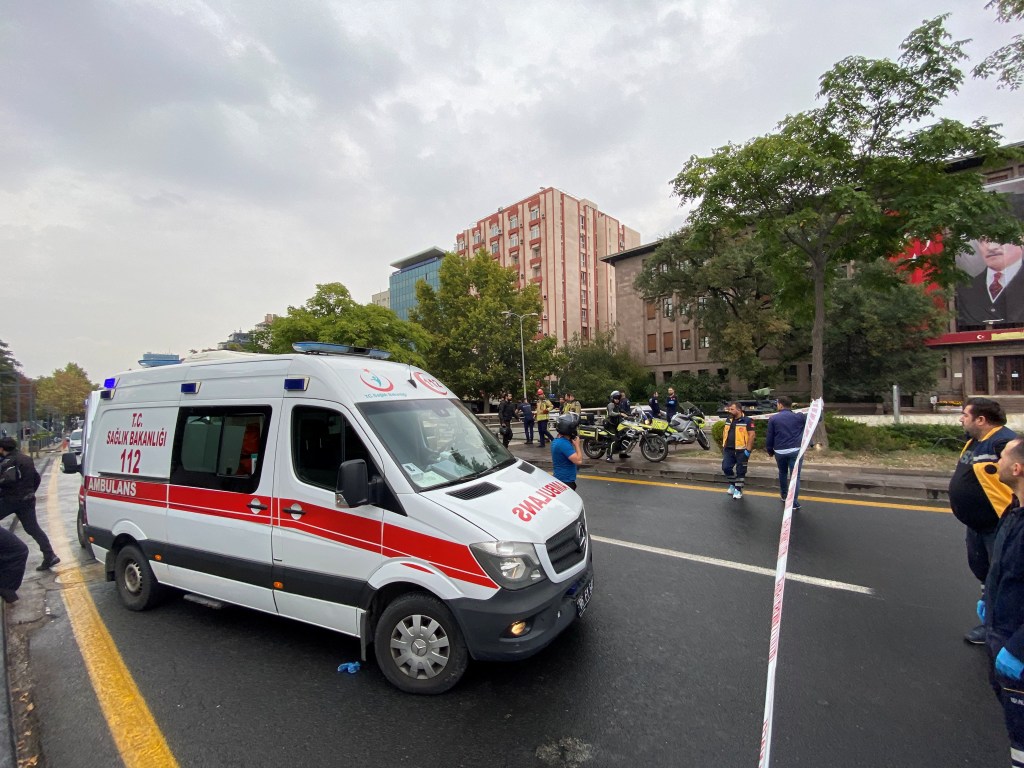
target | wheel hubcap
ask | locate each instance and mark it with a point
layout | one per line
(420, 647)
(133, 577)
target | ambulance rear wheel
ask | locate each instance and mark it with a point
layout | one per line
(418, 645)
(135, 581)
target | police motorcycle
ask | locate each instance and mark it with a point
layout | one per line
(596, 440)
(687, 426)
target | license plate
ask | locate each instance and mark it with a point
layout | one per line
(583, 598)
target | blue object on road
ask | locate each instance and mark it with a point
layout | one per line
(981, 611)
(1009, 665)
(349, 666)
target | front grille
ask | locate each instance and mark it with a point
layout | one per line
(569, 546)
(474, 491)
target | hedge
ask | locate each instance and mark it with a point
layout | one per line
(848, 435)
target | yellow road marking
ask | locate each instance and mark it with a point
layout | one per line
(136, 735)
(803, 497)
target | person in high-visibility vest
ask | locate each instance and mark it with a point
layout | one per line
(737, 443)
(544, 407)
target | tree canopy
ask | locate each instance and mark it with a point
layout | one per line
(592, 369)
(63, 393)
(475, 348)
(853, 179)
(1007, 61)
(332, 316)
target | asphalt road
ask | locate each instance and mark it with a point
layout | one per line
(667, 667)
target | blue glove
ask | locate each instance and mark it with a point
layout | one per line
(981, 611)
(747, 454)
(1009, 665)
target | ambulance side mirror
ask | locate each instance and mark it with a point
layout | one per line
(69, 464)
(353, 489)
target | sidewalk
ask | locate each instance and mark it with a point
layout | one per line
(690, 464)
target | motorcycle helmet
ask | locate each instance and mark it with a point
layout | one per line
(567, 423)
(616, 394)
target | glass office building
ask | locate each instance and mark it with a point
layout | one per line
(402, 284)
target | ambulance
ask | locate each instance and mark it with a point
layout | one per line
(334, 487)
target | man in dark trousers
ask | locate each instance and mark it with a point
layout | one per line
(1001, 608)
(13, 555)
(737, 443)
(18, 483)
(506, 414)
(785, 433)
(976, 496)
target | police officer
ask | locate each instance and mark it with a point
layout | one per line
(612, 420)
(19, 480)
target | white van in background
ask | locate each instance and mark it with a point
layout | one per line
(341, 490)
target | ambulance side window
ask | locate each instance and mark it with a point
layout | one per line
(321, 440)
(220, 448)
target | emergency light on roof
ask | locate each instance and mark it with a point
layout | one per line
(110, 383)
(296, 385)
(319, 348)
(190, 387)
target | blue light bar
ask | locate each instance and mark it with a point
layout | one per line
(190, 387)
(110, 383)
(320, 348)
(296, 385)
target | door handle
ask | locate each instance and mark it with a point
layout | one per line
(295, 510)
(256, 506)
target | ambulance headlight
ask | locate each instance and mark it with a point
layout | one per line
(512, 564)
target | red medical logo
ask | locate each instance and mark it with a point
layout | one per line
(430, 383)
(376, 381)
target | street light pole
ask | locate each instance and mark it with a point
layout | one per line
(522, 344)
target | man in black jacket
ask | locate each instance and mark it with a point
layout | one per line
(19, 480)
(1002, 607)
(506, 413)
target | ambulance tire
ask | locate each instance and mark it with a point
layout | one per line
(419, 646)
(137, 586)
(83, 540)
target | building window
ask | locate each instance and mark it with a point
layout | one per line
(534, 231)
(513, 221)
(652, 342)
(513, 239)
(702, 302)
(944, 368)
(666, 306)
(534, 213)
(583, 261)
(461, 245)
(583, 221)
(979, 374)
(583, 296)
(705, 342)
(790, 374)
(476, 238)
(684, 339)
(666, 376)
(1009, 370)
(652, 310)
(666, 340)
(583, 316)
(495, 230)
(495, 247)
(583, 278)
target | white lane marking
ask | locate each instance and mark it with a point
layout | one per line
(813, 581)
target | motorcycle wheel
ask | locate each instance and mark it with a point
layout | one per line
(702, 440)
(592, 448)
(654, 448)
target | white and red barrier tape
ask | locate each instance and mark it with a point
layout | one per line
(813, 416)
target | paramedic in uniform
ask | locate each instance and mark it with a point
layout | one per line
(976, 496)
(737, 443)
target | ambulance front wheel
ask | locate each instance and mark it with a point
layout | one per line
(418, 645)
(135, 581)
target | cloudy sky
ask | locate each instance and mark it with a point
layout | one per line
(172, 170)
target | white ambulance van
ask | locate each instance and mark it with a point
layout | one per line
(336, 488)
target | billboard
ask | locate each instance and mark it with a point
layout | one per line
(994, 295)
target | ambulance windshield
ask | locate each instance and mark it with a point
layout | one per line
(435, 442)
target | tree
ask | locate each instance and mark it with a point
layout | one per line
(475, 348)
(723, 283)
(851, 180)
(877, 328)
(592, 369)
(63, 393)
(1008, 61)
(332, 316)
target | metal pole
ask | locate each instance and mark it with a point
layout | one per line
(522, 355)
(895, 403)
